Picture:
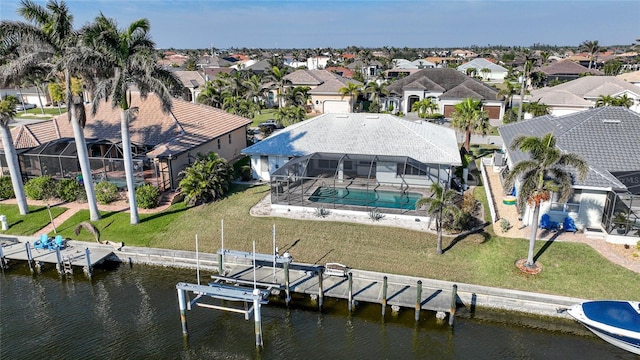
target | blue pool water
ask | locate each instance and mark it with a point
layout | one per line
(359, 197)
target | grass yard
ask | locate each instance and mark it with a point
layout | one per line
(37, 113)
(265, 115)
(570, 269)
(36, 219)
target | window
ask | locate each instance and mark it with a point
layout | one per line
(409, 170)
(229, 138)
(572, 205)
(218, 143)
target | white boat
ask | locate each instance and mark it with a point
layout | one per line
(616, 322)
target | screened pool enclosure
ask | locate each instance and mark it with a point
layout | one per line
(391, 184)
(59, 159)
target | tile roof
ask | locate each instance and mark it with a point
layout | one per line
(480, 63)
(190, 79)
(564, 67)
(606, 138)
(186, 126)
(324, 82)
(447, 79)
(630, 77)
(364, 134)
(577, 92)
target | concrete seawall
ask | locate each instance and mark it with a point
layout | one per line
(469, 295)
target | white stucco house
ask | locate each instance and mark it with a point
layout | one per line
(367, 152)
(607, 139)
(496, 73)
(583, 93)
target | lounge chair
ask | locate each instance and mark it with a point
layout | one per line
(547, 224)
(42, 243)
(569, 225)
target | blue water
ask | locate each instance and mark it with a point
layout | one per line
(371, 198)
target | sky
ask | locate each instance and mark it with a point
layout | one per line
(191, 24)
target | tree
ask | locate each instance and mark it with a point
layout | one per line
(206, 180)
(424, 107)
(548, 170)
(131, 53)
(7, 113)
(605, 100)
(612, 67)
(536, 108)
(608, 100)
(592, 48)
(278, 76)
(508, 91)
(51, 44)
(486, 72)
(470, 118)
(290, 115)
(211, 95)
(297, 96)
(471, 71)
(441, 203)
(376, 90)
(352, 90)
(526, 72)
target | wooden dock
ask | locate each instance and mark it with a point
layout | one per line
(73, 255)
(401, 291)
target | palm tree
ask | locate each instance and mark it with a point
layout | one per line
(592, 48)
(131, 53)
(536, 108)
(547, 171)
(211, 95)
(486, 72)
(7, 113)
(605, 100)
(623, 100)
(290, 115)
(440, 203)
(471, 71)
(424, 107)
(206, 180)
(297, 96)
(470, 118)
(277, 75)
(526, 72)
(352, 90)
(508, 91)
(51, 45)
(376, 89)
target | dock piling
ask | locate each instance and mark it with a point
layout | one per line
(418, 299)
(29, 256)
(2, 260)
(454, 297)
(350, 277)
(320, 290)
(87, 269)
(257, 317)
(286, 283)
(183, 312)
(59, 261)
(384, 295)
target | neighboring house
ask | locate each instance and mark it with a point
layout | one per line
(173, 60)
(370, 70)
(631, 77)
(162, 144)
(29, 95)
(193, 82)
(208, 61)
(259, 67)
(416, 64)
(446, 87)
(342, 71)
(583, 93)
(325, 89)
(566, 70)
(496, 74)
(397, 73)
(465, 54)
(317, 62)
(607, 139)
(364, 151)
(212, 73)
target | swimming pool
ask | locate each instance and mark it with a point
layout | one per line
(360, 197)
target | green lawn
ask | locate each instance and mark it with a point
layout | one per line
(265, 115)
(569, 268)
(36, 219)
(37, 113)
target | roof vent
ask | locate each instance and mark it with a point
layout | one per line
(342, 116)
(372, 117)
(611, 121)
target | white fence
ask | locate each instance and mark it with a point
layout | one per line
(487, 188)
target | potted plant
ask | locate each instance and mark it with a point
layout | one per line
(620, 222)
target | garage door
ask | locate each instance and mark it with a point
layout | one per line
(493, 112)
(334, 106)
(448, 109)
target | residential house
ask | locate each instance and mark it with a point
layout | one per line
(364, 152)
(446, 87)
(193, 83)
(583, 93)
(208, 61)
(607, 139)
(29, 95)
(566, 70)
(325, 89)
(465, 54)
(497, 73)
(163, 144)
(631, 77)
(369, 70)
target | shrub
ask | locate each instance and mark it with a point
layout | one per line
(106, 192)
(322, 212)
(6, 188)
(40, 188)
(69, 190)
(245, 173)
(505, 225)
(148, 196)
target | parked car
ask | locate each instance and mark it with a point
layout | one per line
(270, 124)
(25, 106)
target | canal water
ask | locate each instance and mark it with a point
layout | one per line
(132, 312)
